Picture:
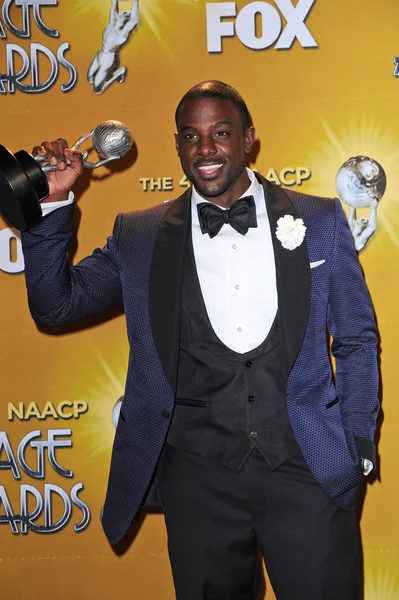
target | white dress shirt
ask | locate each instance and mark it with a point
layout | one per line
(237, 274)
(48, 207)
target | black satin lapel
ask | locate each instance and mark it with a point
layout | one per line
(293, 279)
(165, 287)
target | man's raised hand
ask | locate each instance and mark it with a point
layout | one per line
(69, 167)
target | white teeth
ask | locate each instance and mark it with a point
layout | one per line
(209, 168)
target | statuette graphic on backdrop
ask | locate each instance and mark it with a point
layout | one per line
(361, 183)
(23, 181)
(105, 68)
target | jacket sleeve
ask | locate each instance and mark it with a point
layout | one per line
(59, 292)
(354, 340)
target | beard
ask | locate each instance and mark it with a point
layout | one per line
(213, 189)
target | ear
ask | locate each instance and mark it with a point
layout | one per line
(177, 144)
(250, 136)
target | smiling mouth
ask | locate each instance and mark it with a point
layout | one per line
(210, 170)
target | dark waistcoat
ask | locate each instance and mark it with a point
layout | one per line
(227, 403)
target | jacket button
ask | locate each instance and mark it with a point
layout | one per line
(253, 434)
(249, 363)
(166, 414)
(251, 398)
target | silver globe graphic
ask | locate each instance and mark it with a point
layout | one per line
(361, 181)
(112, 139)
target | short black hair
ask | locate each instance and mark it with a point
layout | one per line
(217, 89)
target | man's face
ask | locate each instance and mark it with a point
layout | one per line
(211, 143)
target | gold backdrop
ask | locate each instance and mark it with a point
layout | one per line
(321, 87)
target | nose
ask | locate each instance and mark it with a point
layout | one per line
(206, 146)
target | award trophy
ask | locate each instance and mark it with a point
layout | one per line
(23, 181)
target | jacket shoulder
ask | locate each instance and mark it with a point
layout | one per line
(309, 205)
(320, 215)
(144, 222)
(138, 228)
(145, 216)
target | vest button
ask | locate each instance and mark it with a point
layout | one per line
(249, 363)
(251, 398)
(166, 414)
(253, 434)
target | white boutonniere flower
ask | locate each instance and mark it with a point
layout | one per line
(290, 232)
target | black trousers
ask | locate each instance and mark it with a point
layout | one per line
(216, 520)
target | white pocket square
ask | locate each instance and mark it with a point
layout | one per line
(317, 263)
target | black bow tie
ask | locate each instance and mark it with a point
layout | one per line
(241, 216)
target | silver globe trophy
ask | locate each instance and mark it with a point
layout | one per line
(361, 183)
(23, 181)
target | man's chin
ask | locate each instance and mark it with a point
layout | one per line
(210, 189)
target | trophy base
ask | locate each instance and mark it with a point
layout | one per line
(23, 185)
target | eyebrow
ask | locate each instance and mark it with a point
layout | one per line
(218, 124)
(225, 122)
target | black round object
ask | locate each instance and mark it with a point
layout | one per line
(23, 185)
(34, 173)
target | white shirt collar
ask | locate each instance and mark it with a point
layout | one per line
(255, 190)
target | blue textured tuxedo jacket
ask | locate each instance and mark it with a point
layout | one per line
(141, 266)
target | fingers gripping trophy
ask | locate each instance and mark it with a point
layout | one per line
(28, 179)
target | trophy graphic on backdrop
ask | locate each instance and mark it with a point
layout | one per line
(361, 183)
(105, 68)
(23, 181)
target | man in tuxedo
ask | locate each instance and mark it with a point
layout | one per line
(230, 406)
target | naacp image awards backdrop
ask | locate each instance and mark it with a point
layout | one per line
(321, 80)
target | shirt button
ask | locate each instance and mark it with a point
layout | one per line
(239, 329)
(234, 246)
(249, 363)
(166, 414)
(251, 398)
(237, 287)
(253, 434)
